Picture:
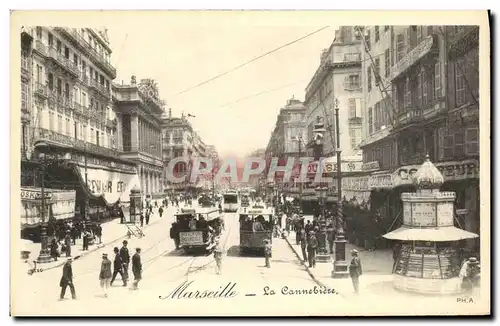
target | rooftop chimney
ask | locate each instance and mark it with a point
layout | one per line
(170, 113)
(133, 80)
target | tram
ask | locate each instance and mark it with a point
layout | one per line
(256, 225)
(231, 201)
(198, 228)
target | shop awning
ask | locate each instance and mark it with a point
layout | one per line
(444, 233)
(112, 186)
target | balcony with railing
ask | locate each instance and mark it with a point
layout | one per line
(101, 89)
(41, 90)
(111, 123)
(40, 48)
(97, 58)
(409, 116)
(42, 134)
(342, 58)
(64, 62)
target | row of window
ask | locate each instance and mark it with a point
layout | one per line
(419, 89)
(63, 125)
(87, 71)
(355, 136)
(62, 88)
(379, 115)
(87, 36)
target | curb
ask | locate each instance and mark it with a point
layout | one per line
(308, 270)
(97, 247)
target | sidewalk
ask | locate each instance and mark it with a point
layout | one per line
(377, 270)
(112, 232)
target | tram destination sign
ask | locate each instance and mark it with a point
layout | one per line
(191, 238)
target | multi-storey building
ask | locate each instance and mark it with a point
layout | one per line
(180, 140)
(338, 79)
(289, 137)
(139, 109)
(431, 108)
(67, 113)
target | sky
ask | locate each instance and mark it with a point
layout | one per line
(179, 54)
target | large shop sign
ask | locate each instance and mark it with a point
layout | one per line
(331, 166)
(59, 204)
(112, 185)
(451, 171)
(412, 57)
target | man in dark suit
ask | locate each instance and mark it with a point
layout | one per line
(125, 256)
(137, 268)
(67, 280)
(118, 267)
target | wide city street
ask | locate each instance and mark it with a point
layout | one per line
(164, 269)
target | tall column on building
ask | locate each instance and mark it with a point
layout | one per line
(134, 132)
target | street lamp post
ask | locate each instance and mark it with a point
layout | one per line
(44, 256)
(340, 267)
(86, 200)
(321, 192)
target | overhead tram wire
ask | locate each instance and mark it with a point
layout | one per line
(250, 61)
(261, 93)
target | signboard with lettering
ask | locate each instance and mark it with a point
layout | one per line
(370, 166)
(381, 181)
(59, 204)
(412, 57)
(407, 213)
(190, 238)
(255, 211)
(424, 214)
(112, 185)
(34, 194)
(445, 214)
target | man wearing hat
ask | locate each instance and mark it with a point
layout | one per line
(125, 256)
(355, 270)
(118, 267)
(67, 279)
(312, 245)
(105, 274)
(218, 256)
(267, 252)
(67, 243)
(137, 268)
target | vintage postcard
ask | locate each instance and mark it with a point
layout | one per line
(250, 163)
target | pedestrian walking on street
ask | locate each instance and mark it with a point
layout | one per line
(174, 234)
(67, 280)
(105, 274)
(330, 237)
(218, 256)
(141, 218)
(303, 246)
(125, 256)
(148, 214)
(86, 236)
(137, 268)
(160, 211)
(54, 252)
(267, 252)
(118, 267)
(312, 245)
(67, 244)
(355, 270)
(98, 232)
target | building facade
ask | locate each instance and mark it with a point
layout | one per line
(139, 108)
(338, 78)
(432, 110)
(288, 139)
(67, 114)
(181, 140)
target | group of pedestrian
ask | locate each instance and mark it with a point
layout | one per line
(108, 271)
(75, 231)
